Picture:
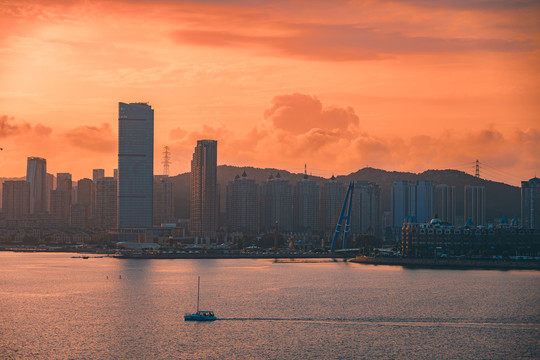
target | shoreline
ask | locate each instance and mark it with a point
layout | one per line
(458, 264)
(409, 263)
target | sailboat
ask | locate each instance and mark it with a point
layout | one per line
(200, 315)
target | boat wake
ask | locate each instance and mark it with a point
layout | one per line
(403, 323)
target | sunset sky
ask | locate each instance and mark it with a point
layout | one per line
(398, 85)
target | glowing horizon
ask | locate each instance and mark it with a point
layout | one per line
(400, 86)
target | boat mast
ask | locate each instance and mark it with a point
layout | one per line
(198, 287)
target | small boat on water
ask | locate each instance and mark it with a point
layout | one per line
(200, 315)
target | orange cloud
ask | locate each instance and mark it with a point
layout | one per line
(298, 114)
(290, 142)
(96, 139)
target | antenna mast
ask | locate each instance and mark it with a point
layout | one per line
(166, 160)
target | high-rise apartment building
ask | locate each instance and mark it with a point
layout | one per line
(135, 165)
(84, 196)
(163, 200)
(105, 214)
(50, 184)
(36, 171)
(64, 182)
(96, 175)
(276, 204)
(78, 216)
(475, 205)
(530, 203)
(306, 206)
(15, 199)
(400, 198)
(61, 197)
(365, 211)
(412, 199)
(445, 203)
(243, 205)
(331, 201)
(424, 200)
(61, 205)
(203, 190)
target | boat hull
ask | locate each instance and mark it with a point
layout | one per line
(195, 317)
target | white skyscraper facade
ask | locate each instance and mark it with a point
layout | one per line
(135, 165)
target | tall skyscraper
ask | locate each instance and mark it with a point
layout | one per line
(530, 203)
(306, 206)
(243, 205)
(15, 199)
(276, 204)
(445, 203)
(105, 213)
(331, 202)
(163, 200)
(365, 212)
(36, 171)
(475, 204)
(204, 194)
(135, 165)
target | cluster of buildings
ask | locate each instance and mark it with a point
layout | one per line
(440, 237)
(136, 204)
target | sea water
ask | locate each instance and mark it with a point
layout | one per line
(54, 306)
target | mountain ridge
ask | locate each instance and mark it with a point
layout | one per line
(501, 199)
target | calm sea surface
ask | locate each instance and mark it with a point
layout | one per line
(53, 306)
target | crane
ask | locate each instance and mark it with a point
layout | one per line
(346, 206)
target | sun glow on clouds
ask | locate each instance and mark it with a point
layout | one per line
(404, 85)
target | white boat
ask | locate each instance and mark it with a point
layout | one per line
(200, 315)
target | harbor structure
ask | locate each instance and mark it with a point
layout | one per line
(331, 200)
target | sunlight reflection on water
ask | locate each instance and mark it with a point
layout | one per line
(58, 307)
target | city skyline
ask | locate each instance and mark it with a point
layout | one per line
(397, 86)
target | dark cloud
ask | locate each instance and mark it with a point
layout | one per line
(473, 4)
(345, 42)
(9, 127)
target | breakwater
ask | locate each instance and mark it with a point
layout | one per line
(438, 263)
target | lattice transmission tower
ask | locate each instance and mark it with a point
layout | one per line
(477, 170)
(166, 160)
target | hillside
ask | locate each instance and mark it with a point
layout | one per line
(501, 199)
